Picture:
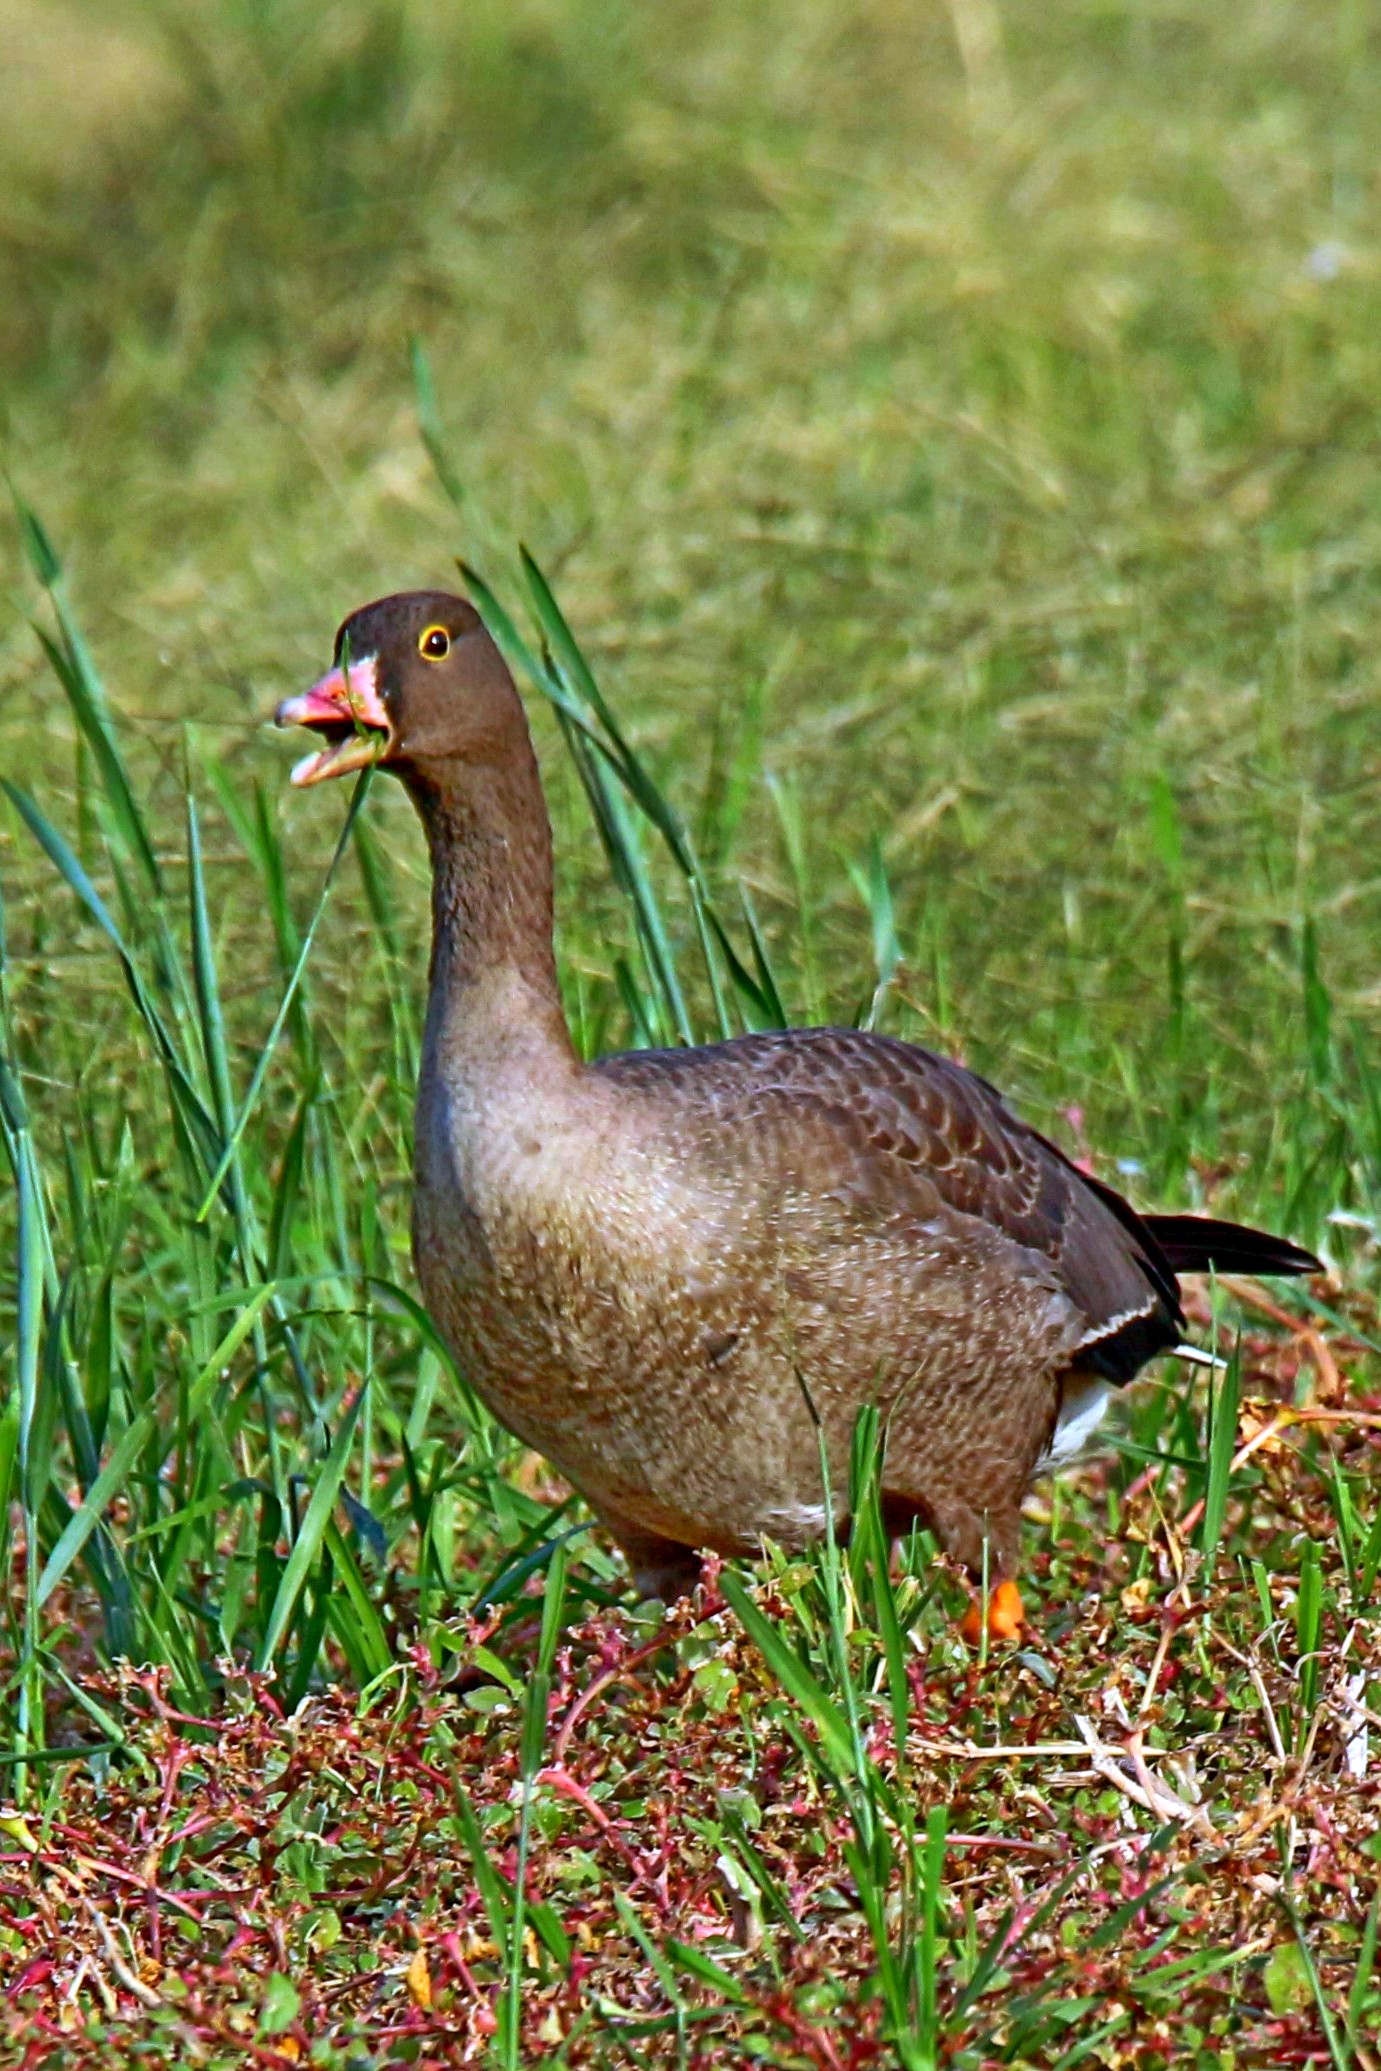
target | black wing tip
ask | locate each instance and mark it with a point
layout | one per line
(1294, 1260)
(1194, 1243)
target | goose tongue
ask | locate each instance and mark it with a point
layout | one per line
(346, 706)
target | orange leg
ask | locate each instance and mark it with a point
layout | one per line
(1005, 1615)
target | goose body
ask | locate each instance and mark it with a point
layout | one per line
(660, 1269)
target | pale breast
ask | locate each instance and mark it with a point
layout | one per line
(606, 1301)
(666, 1328)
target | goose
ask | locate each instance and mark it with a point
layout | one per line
(672, 1271)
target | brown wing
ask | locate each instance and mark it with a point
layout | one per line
(916, 1126)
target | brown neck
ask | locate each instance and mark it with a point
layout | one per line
(493, 990)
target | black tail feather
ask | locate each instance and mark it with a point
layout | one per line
(1193, 1243)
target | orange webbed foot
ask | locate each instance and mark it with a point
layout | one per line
(1005, 1616)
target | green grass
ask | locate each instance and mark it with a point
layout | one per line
(944, 441)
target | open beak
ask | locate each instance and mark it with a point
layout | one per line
(346, 707)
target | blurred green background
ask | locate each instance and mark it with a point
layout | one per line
(950, 423)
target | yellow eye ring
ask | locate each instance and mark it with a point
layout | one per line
(434, 644)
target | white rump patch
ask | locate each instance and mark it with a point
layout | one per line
(1194, 1355)
(1083, 1405)
(793, 1525)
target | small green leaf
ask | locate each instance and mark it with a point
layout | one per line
(281, 2004)
(716, 1685)
(1287, 1978)
(324, 1930)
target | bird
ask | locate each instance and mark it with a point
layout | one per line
(680, 1274)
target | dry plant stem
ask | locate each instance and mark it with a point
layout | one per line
(1365, 1419)
(620, 1672)
(1310, 1336)
(966, 1751)
(1003, 1843)
(142, 1992)
(1147, 1791)
(1181, 1808)
(1283, 1420)
(1267, 1711)
(1152, 1683)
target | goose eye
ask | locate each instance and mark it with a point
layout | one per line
(435, 643)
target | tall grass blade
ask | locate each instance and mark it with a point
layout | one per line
(29, 1283)
(255, 1087)
(72, 664)
(618, 833)
(429, 424)
(1370, 1561)
(763, 1000)
(875, 890)
(488, 1882)
(660, 1968)
(1308, 1622)
(1224, 1394)
(1360, 1988)
(353, 1615)
(1318, 1007)
(191, 1108)
(576, 672)
(529, 1761)
(1339, 2051)
(92, 719)
(779, 1018)
(932, 1876)
(306, 1548)
(809, 1695)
